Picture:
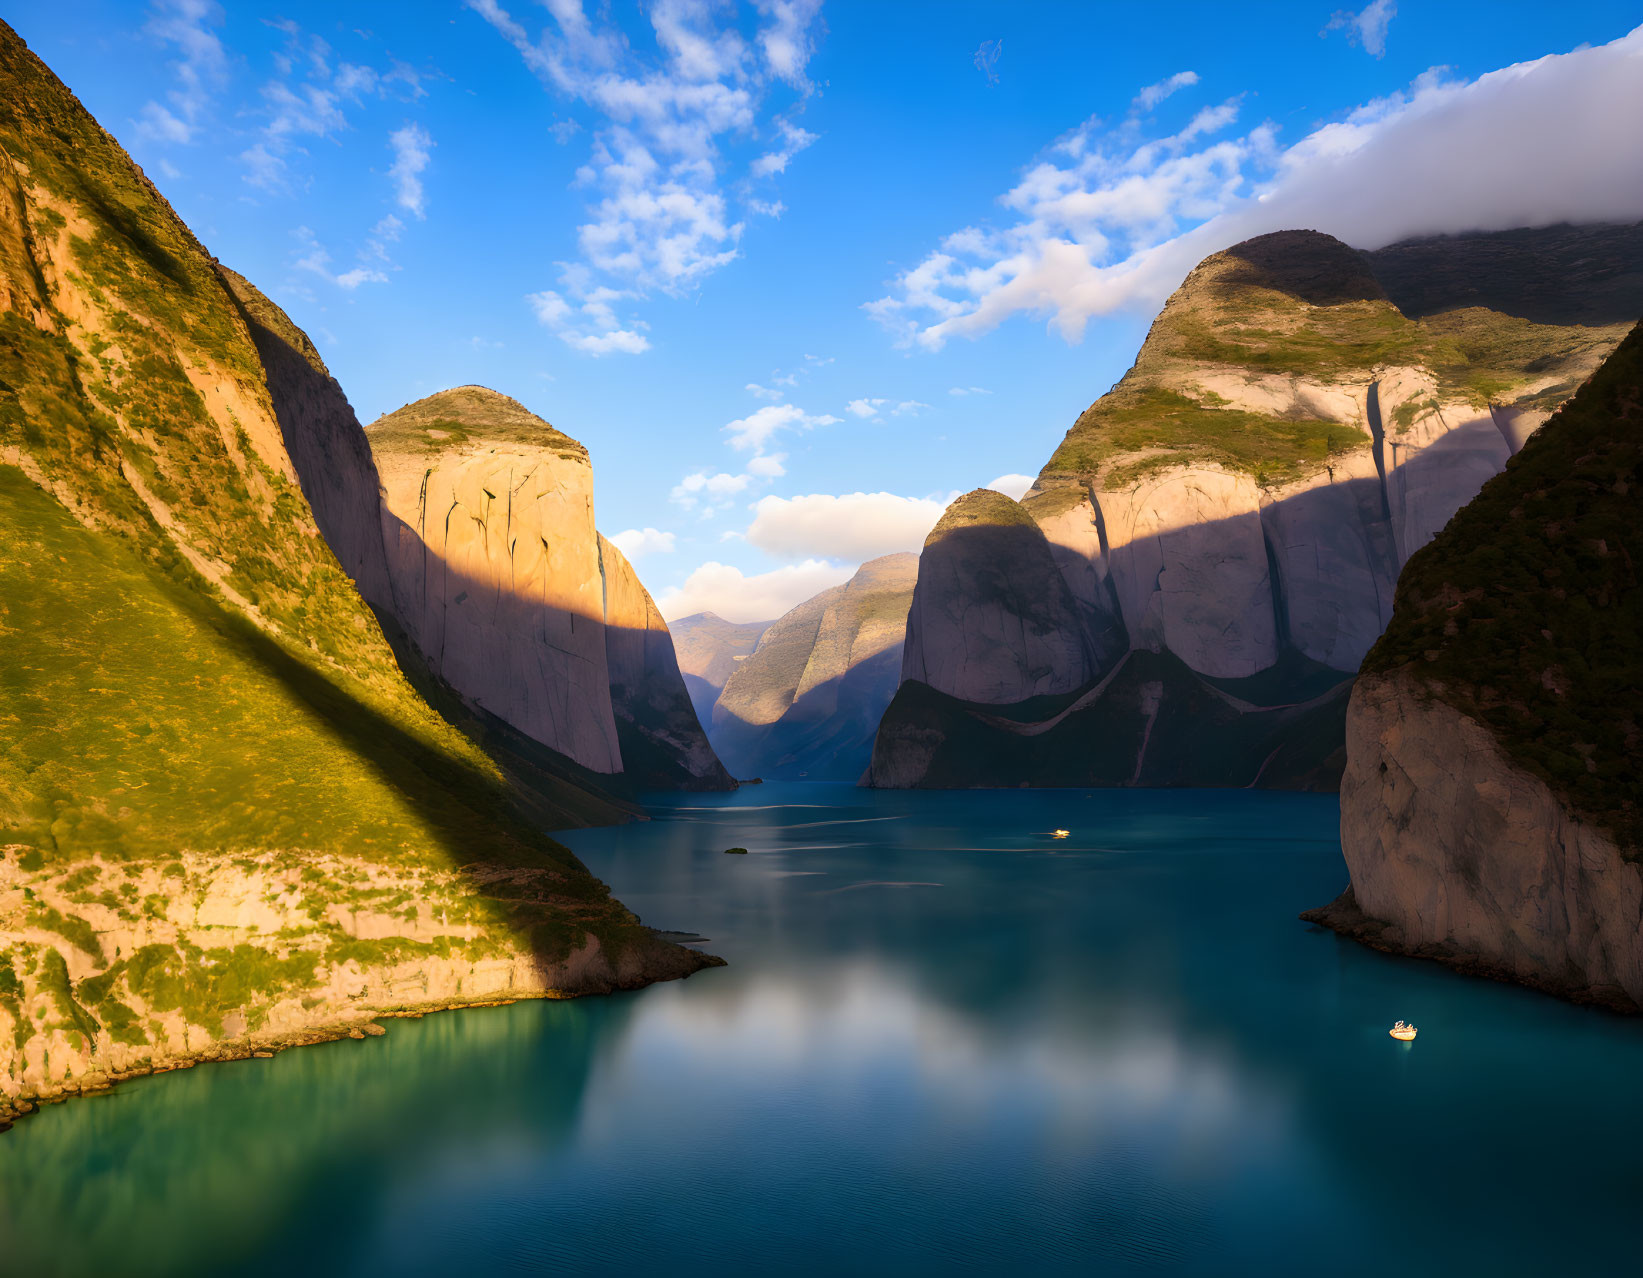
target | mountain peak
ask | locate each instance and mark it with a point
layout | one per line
(450, 418)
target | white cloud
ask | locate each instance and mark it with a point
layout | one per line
(850, 526)
(735, 596)
(1366, 27)
(587, 322)
(317, 261)
(1013, 486)
(1104, 222)
(764, 392)
(768, 466)
(871, 409)
(700, 487)
(756, 429)
(969, 390)
(794, 140)
(410, 146)
(634, 542)
(1153, 94)
(785, 39)
(659, 218)
(201, 69)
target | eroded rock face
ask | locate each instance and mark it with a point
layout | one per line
(663, 745)
(992, 618)
(808, 700)
(495, 564)
(1457, 853)
(1244, 499)
(513, 598)
(1491, 815)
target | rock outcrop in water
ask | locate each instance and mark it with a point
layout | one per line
(1491, 812)
(1228, 523)
(513, 598)
(226, 817)
(806, 703)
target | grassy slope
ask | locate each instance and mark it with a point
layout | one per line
(144, 715)
(457, 416)
(1302, 305)
(1526, 611)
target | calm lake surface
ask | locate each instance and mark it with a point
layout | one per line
(944, 1043)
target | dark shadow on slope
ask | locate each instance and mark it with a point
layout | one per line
(1154, 723)
(825, 735)
(1564, 274)
(630, 669)
(703, 695)
(1317, 269)
(1148, 718)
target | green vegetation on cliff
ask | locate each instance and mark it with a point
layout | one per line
(1301, 307)
(1526, 612)
(218, 791)
(450, 418)
(1147, 429)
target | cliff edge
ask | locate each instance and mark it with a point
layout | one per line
(1491, 814)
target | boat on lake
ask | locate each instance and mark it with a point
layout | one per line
(1401, 1032)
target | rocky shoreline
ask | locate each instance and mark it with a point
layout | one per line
(1345, 917)
(683, 962)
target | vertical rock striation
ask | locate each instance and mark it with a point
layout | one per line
(503, 583)
(1491, 814)
(1237, 509)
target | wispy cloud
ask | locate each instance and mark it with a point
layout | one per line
(660, 214)
(200, 69)
(411, 146)
(1109, 219)
(1153, 94)
(875, 409)
(1366, 27)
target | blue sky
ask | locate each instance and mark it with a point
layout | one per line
(797, 272)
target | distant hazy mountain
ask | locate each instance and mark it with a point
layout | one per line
(1186, 592)
(807, 702)
(709, 649)
(1491, 812)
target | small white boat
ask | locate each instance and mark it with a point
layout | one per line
(1403, 1033)
(1059, 834)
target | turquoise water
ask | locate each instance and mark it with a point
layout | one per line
(944, 1044)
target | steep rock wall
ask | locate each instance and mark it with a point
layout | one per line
(496, 577)
(663, 745)
(1457, 853)
(992, 618)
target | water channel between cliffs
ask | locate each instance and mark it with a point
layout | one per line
(944, 1043)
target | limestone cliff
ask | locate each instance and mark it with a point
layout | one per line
(227, 820)
(1491, 815)
(499, 578)
(709, 649)
(1237, 508)
(807, 701)
(663, 745)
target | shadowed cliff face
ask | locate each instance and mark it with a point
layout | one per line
(1244, 499)
(510, 594)
(225, 816)
(709, 650)
(808, 700)
(1490, 812)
